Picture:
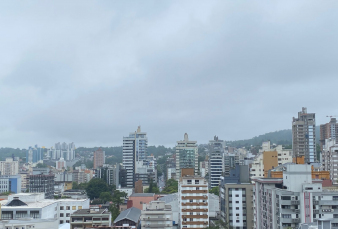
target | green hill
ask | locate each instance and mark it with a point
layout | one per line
(281, 137)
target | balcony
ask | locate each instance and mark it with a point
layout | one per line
(295, 202)
(296, 220)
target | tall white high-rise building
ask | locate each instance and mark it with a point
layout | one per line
(186, 156)
(134, 150)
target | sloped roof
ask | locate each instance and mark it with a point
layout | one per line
(132, 214)
(16, 202)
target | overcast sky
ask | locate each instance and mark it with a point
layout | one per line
(90, 72)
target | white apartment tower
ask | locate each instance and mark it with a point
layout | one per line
(186, 156)
(9, 167)
(216, 165)
(64, 150)
(304, 136)
(193, 202)
(134, 150)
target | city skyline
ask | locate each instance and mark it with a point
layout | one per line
(91, 71)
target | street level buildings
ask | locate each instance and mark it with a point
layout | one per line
(293, 200)
(186, 156)
(157, 214)
(304, 136)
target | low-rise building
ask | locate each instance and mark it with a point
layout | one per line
(129, 218)
(138, 199)
(10, 184)
(157, 214)
(87, 218)
(34, 205)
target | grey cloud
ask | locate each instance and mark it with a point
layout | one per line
(92, 73)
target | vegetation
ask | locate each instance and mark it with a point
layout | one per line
(281, 137)
(88, 163)
(95, 187)
(152, 188)
(41, 165)
(170, 187)
(117, 199)
(9, 152)
(214, 190)
(81, 186)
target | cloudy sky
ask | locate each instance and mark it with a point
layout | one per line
(90, 72)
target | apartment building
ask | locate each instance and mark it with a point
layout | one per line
(157, 214)
(186, 155)
(99, 158)
(62, 150)
(328, 131)
(134, 150)
(61, 164)
(110, 173)
(9, 167)
(87, 218)
(236, 198)
(294, 199)
(304, 136)
(216, 165)
(193, 201)
(330, 158)
(34, 154)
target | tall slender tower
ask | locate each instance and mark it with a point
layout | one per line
(216, 165)
(304, 136)
(186, 156)
(134, 150)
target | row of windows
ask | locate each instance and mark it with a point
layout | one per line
(68, 207)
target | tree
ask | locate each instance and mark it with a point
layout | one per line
(95, 187)
(171, 186)
(214, 190)
(152, 188)
(118, 198)
(40, 165)
(81, 186)
(106, 196)
(220, 224)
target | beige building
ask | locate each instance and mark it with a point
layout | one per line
(193, 202)
(269, 158)
(99, 158)
(88, 218)
(9, 167)
(186, 156)
(236, 205)
(157, 214)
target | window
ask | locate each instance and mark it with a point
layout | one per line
(79, 207)
(68, 208)
(61, 214)
(190, 201)
(237, 208)
(67, 221)
(67, 214)
(197, 188)
(197, 181)
(237, 202)
(73, 207)
(189, 181)
(237, 195)
(61, 221)
(61, 207)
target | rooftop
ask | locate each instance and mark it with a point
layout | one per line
(89, 211)
(142, 195)
(132, 214)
